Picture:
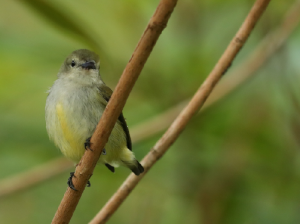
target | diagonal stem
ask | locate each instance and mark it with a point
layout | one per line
(85, 168)
(246, 69)
(188, 112)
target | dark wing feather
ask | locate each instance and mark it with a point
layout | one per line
(106, 93)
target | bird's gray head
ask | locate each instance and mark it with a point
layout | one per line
(81, 64)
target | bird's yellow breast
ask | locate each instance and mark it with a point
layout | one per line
(72, 131)
(73, 147)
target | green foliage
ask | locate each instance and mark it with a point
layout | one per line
(237, 162)
(66, 22)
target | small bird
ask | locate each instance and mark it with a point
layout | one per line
(74, 106)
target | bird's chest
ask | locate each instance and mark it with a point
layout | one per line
(78, 112)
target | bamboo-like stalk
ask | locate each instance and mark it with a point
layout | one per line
(235, 77)
(191, 109)
(84, 169)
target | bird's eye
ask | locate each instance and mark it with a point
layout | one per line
(73, 63)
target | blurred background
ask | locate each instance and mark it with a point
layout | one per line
(236, 162)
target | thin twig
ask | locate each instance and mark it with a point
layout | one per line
(267, 47)
(37, 174)
(156, 124)
(85, 168)
(152, 126)
(181, 121)
(238, 75)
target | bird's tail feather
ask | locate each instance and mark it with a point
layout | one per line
(137, 169)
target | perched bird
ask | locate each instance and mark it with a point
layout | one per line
(75, 103)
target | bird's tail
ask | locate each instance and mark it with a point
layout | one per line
(137, 169)
(128, 159)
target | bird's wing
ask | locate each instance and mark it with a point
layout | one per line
(106, 93)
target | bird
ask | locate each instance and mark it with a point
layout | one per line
(74, 106)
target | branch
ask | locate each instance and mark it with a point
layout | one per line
(33, 176)
(85, 168)
(267, 47)
(247, 68)
(181, 121)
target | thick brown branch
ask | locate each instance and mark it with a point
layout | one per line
(130, 74)
(247, 68)
(181, 121)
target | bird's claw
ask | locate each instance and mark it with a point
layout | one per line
(87, 144)
(70, 183)
(88, 184)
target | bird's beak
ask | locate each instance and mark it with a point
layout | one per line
(89, 65)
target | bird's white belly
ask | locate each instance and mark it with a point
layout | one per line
(72, 118)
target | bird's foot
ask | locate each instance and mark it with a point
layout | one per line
(88, 184)
(87, 144)
(70, 183)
